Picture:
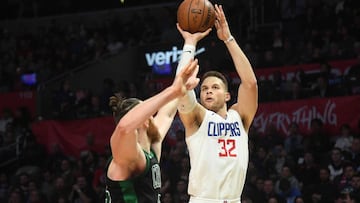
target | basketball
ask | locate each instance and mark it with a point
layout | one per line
(196, 15)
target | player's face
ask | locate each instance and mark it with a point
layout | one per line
(213, 94)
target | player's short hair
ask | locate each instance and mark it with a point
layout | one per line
(218, 75)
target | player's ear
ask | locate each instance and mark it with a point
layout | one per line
(227, 96)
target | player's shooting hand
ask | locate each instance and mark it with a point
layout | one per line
(221, 24)
(192, 38)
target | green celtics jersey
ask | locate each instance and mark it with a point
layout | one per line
(144, 188)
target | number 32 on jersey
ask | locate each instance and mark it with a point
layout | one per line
(227, 147)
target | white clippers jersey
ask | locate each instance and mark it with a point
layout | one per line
(219, 157)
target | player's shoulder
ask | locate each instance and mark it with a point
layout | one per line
(233, 112)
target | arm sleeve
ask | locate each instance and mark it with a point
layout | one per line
(187, 54)
(187, 103)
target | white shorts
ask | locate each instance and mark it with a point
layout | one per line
(204, 200)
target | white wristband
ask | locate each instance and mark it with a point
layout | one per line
(231, 38)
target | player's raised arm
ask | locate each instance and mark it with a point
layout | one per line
(247, 100)
(189, 109)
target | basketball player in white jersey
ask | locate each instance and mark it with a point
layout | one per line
(217, 138)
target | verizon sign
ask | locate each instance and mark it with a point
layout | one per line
(160, 58)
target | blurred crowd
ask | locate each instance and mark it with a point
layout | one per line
(24, 9)
(318, 166)
(314, 166)
(301, 32)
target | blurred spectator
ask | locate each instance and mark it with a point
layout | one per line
(271, 137)
(54, 158)
(306, 170)
(336, 163)
(277, 39)
(323, 190)
(35, 196)
(282, 159)
(46, 186)
(346, 42)
(98, 181)
(345, 196)
(64, 100)
(288, 54)
(16, 196)
(301, 77)
(95, 108)
(321, 87)
(355, 186)
(89, 147)
(274, 200)
(87, 165)
(254, 188)
(23, 180)
(81, 103)
(269, 59)
(82, 191)
(296, 91)
(278, 86)
(264, 162)
(293, 142)
(287, 191)
(61, 190)
(269, 192)
(8, 139)
(299, 199)
(293, 183)
(353, 78)
(343, 180)
(6, 117)
(344, 140)
(326, 71)
(251, 54)
(65, 171)
(353, 155)
(318, 140)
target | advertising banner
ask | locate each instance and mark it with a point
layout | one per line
(333, 112)
(16, 100)
(73, 136)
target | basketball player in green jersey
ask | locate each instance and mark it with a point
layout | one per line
(133, 172)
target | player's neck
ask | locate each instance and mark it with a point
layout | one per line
(222, 112)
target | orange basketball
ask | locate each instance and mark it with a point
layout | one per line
(196, 15)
